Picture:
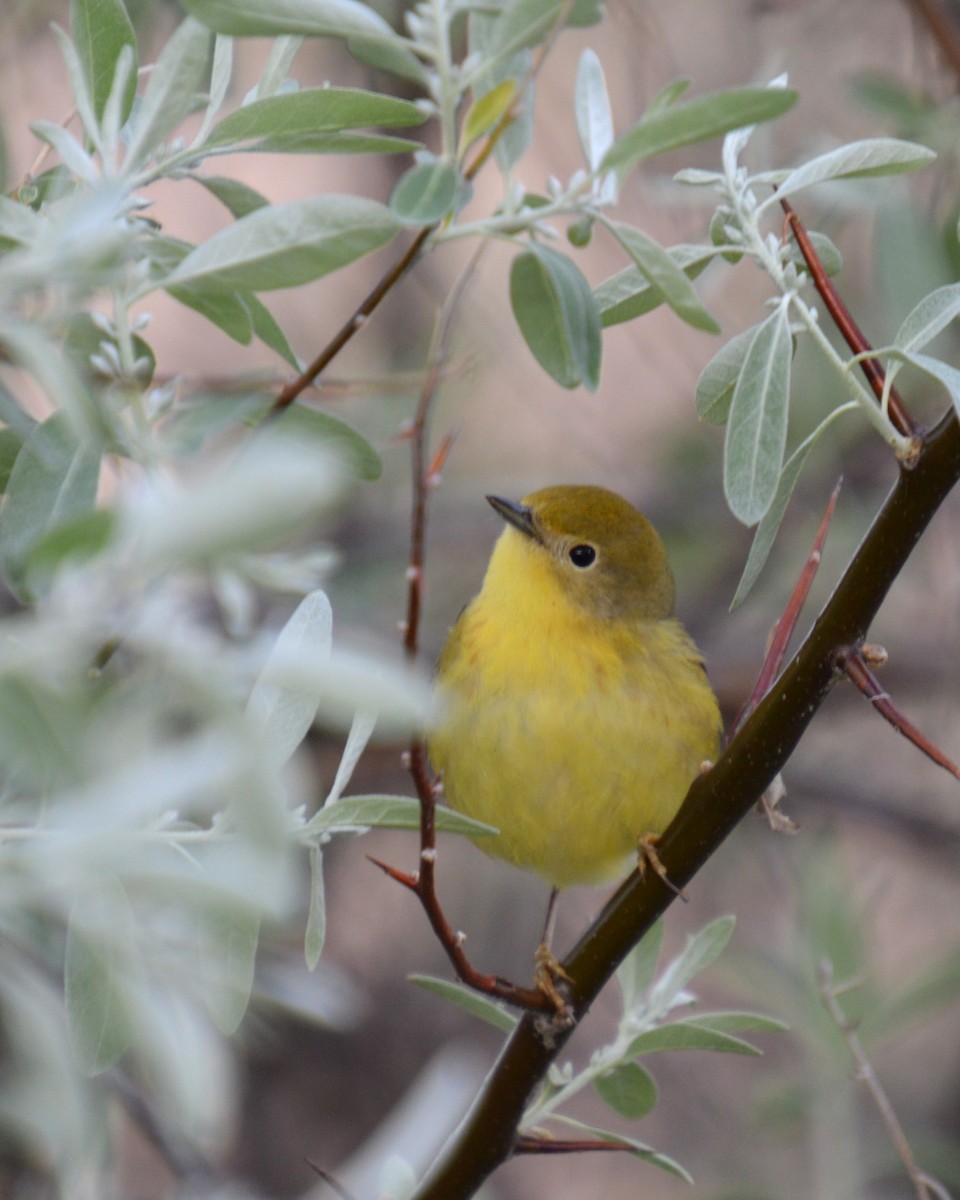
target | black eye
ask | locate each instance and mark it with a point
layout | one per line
(583, 556)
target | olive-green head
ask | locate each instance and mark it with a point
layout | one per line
(606, 555)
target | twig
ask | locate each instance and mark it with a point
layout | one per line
(852, 661)
(528, 1143)
(829, 993)
(848, 327)
(330, 1181)
(782, 631)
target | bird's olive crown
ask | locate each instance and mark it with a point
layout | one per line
(609, 556)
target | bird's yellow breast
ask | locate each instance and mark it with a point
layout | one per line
(572, 734)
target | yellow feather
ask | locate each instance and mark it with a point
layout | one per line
(574, 709)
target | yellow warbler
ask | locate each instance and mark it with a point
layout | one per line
(575, 709)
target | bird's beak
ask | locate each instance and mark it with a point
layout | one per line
(517, 515)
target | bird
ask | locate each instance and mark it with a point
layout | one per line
(574, 708)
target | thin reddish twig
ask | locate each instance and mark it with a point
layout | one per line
(782, 631)
(851, 661)
(849, 329)
(528, 1143)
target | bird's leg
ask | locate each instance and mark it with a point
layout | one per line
(548, 974)
(647, 856)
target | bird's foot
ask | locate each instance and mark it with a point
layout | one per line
(550, 977)
(647, 856)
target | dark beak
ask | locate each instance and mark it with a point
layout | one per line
(517, 515)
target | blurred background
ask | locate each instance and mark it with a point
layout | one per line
(338, 1067)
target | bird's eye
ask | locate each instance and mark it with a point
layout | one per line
(582, 556)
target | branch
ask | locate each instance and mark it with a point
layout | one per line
(715, 804)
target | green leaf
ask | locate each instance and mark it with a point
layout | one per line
(317, 915)
(662, 270)
(53, 480)
(592, 109)
(231, 950)
(71, 153)
(475, 1003)
(691, 121)
(524, 23)
(640, 1149)
(873, 156)
(557, 315)
(100, 956)
(757, 427)
(313, 110)
(273, 18)
(283, 714)
(688, 1035)
(82, 537)
(335, 141)
(931, 316)
(268, 330)
(87, 342)
(427, 193)
(484, 113)
(630, 294)
(830, 257)
(390, 55)
(225, 310)
(358, 813)
(735, 1021)
(100, 29)
(336, 435)
(628, 1089)
(636, 972)
(10, 444)
(719, 378)
(700, 950)
(170, 92)
(287, 245)
(234, 195)
(944, 373)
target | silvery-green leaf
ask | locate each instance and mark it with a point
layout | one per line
(557, 315)
(944, 373)
(361, 731)
(276, 71)
(628, 1089)
(757, 426)
(873, 156)
(273, 18)
(170, 91)
(701, 949)
(221, 74)
(79, 87)
(523, 23)
(736, 1021)
(286, 245)
(475, 1003)
(662, 270)
(283, 713)
(719, 378)
(636, 972)
(630, 294)
(72, 154)
(101, 956)
(928, 318)
(317, 913)
(640, 1149)
(230, 951)
(358, 813)
(427, 193)
(830, 257)
(100, 30)
(592, 108)
(688, 1035)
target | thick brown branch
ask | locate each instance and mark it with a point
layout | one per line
(715, 804)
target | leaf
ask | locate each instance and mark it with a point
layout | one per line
(287, 244)
(944, 373)
(71, 153)
(523, 23)
(82, 537)
(285, 715)
(691, 121)
(231, 950)
(700, 950)
(485, 112)
(769, 525)
(757, 427)
(358, 813)
(268, 330)
(100, 955)
(233, 194)
(630, 294)
(360, 733)
(317, 915)
(391, 55)
(873, 156)
(932, 315)
(628, 1089)
(312, 110)
(660, 268)
(54, 479)
(170, 91)
(10, 443)
(335, 141)
(100, 29)
(273, 18)
(555, 310)
(475, 1003)
(830, 257)
(225, 310)
(640, 1149)
(719, 378)
(688, 1035)
(636, 972)
(427, 193)
(592, 109)
(735, 1021)
(335, 435)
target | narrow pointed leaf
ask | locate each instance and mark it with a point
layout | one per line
(873, 156)
(640, 1149)
(700, 950)
(592, 108)
(662, 270)
(485, 112)
(317, 914)
(273, 18)
(757, 426)
(636, 972)
(100, 30)
(231, 952)
(930, 317)
(719, 377)
(356, 813)
(466, 998)
(630, 294)
(735, 1021)
(687, 1035)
